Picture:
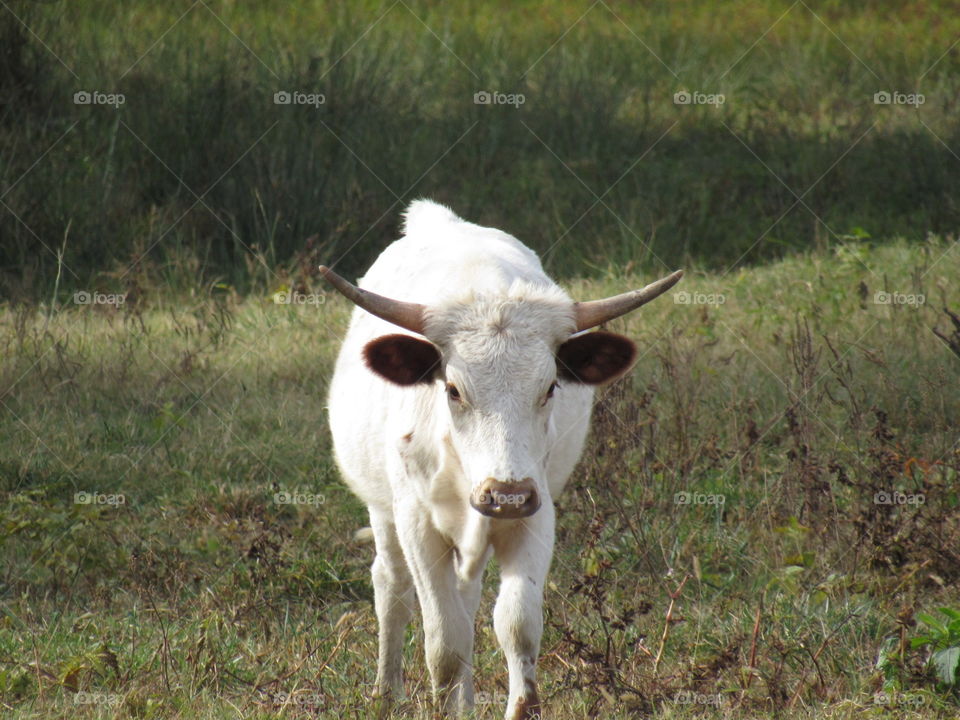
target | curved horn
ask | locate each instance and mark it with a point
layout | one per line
(405, 314)
(594, 312)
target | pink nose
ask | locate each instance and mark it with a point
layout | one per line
(506, 500)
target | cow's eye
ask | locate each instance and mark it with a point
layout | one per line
(550, 390)
(452, 392)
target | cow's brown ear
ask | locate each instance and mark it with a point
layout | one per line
(595, 358)
(402, 359)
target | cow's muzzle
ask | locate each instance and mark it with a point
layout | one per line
(506, 500)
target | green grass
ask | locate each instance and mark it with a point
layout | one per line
(717, 185)
(798, 398)
(200, 596)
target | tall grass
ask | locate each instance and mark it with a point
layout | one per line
(200, 160)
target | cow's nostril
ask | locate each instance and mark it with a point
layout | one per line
(506, 500)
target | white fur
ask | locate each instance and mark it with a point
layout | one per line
(413, 456)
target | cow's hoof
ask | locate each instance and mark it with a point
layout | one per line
(527, 707)
(382, 702)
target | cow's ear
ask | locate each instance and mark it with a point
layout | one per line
(402, 359)
(595, 358)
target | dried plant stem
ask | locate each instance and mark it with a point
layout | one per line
(666, 623)
(753, 644)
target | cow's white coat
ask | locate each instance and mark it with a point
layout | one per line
(413, 455)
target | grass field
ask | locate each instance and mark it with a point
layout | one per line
(766, 522)
(597, 168)
(186, 589)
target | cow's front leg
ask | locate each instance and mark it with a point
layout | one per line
(393, 598)
(447, 623)
(524, 555)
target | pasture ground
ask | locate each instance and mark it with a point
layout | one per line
(780, 399)
(796, 396)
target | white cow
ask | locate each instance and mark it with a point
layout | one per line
(459, 406)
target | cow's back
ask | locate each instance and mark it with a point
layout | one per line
(441, 258)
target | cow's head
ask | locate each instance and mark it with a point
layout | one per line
(499, 362)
